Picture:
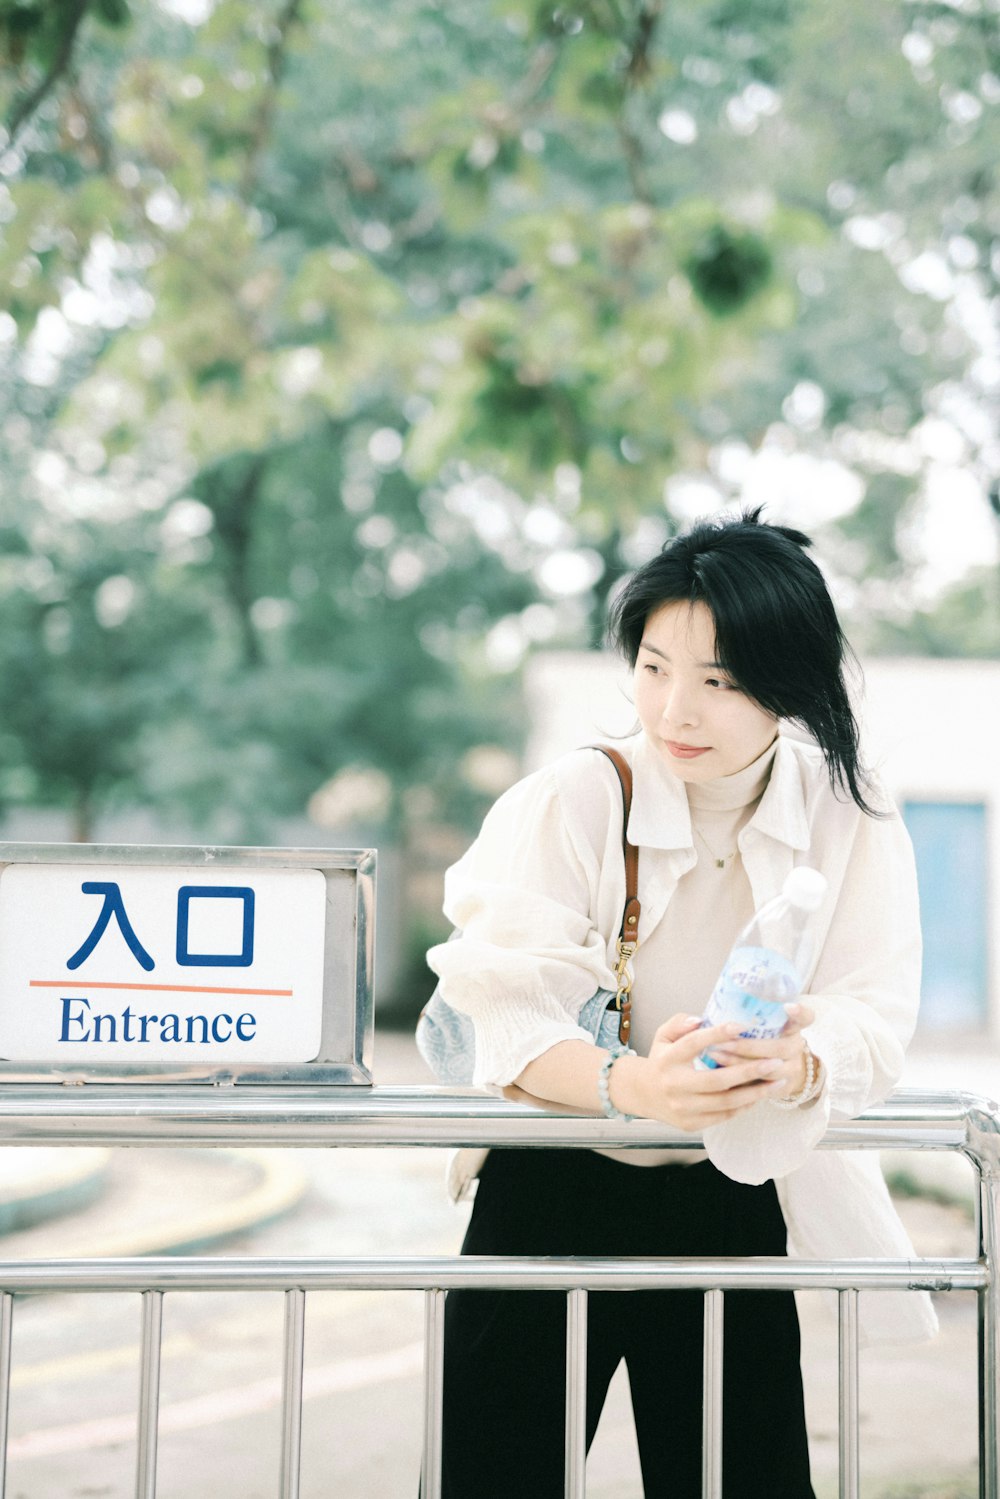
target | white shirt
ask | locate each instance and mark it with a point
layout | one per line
(539, 896)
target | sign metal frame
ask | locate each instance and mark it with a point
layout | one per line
(345, 1051)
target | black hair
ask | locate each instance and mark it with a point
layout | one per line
(776, 629)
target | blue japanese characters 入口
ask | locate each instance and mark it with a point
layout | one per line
(114, 906)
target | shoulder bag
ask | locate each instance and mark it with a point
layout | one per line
(446, 1038)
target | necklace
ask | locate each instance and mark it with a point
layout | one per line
(721, 860)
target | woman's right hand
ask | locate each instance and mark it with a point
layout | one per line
(667, 1086)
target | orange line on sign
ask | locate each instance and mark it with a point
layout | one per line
(69, 983)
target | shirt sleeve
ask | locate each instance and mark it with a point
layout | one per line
(529, 954)
(866, 987)
(865, 992)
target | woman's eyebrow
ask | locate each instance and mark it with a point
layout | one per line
(644, 645)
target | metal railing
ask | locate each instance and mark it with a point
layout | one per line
(438, 1117)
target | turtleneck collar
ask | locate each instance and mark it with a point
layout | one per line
(661, 815)
(729, 793)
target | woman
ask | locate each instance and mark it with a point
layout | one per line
(733, 638)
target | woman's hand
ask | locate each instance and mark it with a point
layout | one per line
(788, 1049)
(667, 1086)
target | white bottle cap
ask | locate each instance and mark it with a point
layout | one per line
(804, 888)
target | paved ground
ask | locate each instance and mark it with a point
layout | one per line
(74, 1387)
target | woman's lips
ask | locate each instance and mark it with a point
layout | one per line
(686, 751)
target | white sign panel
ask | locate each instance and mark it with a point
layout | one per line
(173, 965)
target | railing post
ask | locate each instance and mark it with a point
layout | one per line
(576, 1394)
(291, 1393)
(430, 1479)
(982, 1129)
(6, 1328)
(711, 1400)
(149, 1394)
(989, 1338)
(847, 1368)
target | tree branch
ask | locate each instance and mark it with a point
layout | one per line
(540, 68)
(231, 489)
(638, 68)
(290, 14)
(97, 136)
(23, 111)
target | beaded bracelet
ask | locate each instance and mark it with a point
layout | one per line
(810, 1087)
(603, 1091)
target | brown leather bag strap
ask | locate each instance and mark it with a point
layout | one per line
(628, 937)
(630, 915)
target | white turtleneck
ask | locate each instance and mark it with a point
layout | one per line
(676, 967)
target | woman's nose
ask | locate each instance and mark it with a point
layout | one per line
(679, 707)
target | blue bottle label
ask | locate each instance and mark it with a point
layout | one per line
(751, 990)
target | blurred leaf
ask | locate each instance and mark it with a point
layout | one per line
(727, 268)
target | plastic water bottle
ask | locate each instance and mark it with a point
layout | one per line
(765, 968)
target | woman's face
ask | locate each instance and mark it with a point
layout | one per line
(693, 714)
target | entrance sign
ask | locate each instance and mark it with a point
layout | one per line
(223, 965)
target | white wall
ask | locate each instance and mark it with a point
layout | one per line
(930, 727)
(574, 698)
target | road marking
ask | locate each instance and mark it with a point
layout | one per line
(221, 1405)
(281, 1184)
(76, 1365)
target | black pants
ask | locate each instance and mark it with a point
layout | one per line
(505, 1356)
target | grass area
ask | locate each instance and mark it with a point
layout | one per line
(959, 1485)
(956, 1486)
(903, 1184)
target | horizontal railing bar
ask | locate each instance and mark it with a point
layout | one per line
(447, 1272)
(395, 1116)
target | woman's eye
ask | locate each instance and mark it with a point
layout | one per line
(718, 682)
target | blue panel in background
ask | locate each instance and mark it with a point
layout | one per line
(949, 839)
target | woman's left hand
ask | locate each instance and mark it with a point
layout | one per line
(789, 1048)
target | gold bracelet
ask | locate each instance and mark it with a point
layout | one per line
(810, 1087)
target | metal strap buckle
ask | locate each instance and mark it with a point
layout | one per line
(623, 974)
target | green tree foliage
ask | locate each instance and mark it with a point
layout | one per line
(349, 351)
(39, 38)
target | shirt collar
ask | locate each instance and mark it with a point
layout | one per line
(661, 818)
(782, 811)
